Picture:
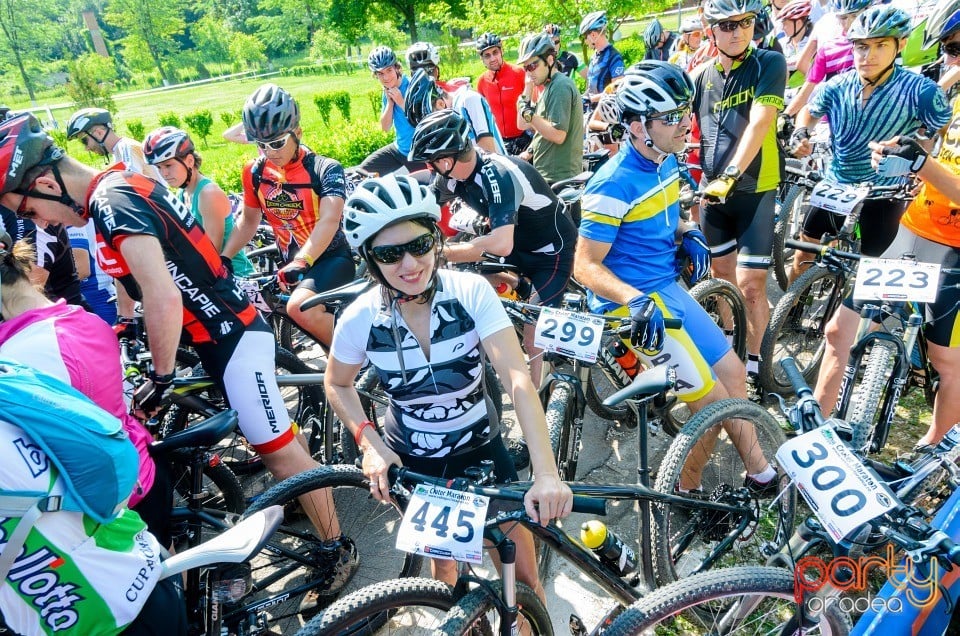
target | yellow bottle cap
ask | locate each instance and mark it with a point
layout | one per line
(593, 533)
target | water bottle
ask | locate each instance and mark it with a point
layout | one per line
(505, 291)
(608, 546)
(625, 357)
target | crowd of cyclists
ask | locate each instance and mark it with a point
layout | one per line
(150, 241)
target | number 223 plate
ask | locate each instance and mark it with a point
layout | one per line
(893, 279)
(444, 524)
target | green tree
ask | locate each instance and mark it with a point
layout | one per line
(91, 78)
(212, 37)
(401, 11)
(327, 45)
(247, 50)
(25, 29)
(152, 25)
(200, 122)
(288, 25)
(387, 34)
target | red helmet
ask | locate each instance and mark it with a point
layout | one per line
(795, 10)
(166, 143)
(24, 146)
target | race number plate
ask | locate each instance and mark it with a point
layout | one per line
(893, 279)
(572, 334)
(836, 197)
(444, 524)
(842, 492)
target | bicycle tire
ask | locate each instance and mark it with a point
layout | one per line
(285, 567)
(469, 616)
(698, 603)
(682, 537)
(291, 337)
(605, 378)
(559, 412)
(787, 226)
(399, 602)
(796, 328)
(868, 396)
(708, 293)
(222, 493)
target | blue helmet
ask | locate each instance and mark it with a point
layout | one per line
(882, 21)
(843, 7)
(652, 34)
(594, 21)
(943, 22)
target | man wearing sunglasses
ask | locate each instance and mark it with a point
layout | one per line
(301, 193)
(94, 128)
(739, 93)
(628, 255)
(556, 118)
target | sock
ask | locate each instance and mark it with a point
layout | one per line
(766, 476)
(753, 363)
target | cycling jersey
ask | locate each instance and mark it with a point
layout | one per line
(97, 288)
(437, 407)
(400, 124)
(932, 214)
(73, 575)
(722, 106)
(899, 106)
(241, 264)
(606, 64)
(832, 58)
(662, 53)
(129, 153)
(289, 201)
(568, 63)
(559, 104)
(633, 204)
(501, 90)
(476, 111)
(125, 204)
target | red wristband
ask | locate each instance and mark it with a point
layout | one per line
(363, 425)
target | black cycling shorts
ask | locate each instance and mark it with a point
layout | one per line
(330, 270)
(743, 224)
(879, 220)
(389, 159)
(164, 613)
(549, 273)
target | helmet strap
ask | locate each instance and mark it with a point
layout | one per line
(64, 198)
(648, 141)
(735, 58)
(880, 75)
(188, 169)
(102, 139)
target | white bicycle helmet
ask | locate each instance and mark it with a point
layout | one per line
(719, 10)
(422, 53)
(608, 109)
(943, 22)
(594, 21)
(166, 143)
(652, 87)
(383, 201)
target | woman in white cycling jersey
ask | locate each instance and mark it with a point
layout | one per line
(427, 331)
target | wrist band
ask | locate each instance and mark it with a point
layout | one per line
(359, 434)
(306, 257)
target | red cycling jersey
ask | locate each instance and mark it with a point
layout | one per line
(502, 89)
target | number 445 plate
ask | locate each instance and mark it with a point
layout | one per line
(444, 524)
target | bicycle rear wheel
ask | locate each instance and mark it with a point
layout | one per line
(866, 401)
(685, 537)
(292, 563)
(740, 600)
(725, 305)
(797, 326)
(411, 607)
(221, 495)
(476, 614)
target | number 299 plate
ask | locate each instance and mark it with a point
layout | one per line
(571, 334)
(444, 524)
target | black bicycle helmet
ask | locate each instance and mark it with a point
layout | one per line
(535, 45)
(380, 58)
(442, 133)
(488, 41)
(85, 118)
(764, 25)
(882, 21)
(270, 112)
(652, 87)
(943, 22)
(421, 97)
(24, 146)
(719, 10)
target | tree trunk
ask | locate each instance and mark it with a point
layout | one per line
(156, 60)
(26, 78)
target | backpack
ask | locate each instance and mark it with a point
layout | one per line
(89, 448)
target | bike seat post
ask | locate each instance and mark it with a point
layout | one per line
(643, 459)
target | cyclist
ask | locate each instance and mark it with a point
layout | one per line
(691, 36)
(738, 95)
(426, 56)
(556, 118)
(426, 95)
(659, 42)
(929, 231)
(949, 46)
(568, 61)
(81, 350)
(385, 67)
(794, 19)
(502, 85)
(627, 255)
(879, 100)
(301, 193)
(150, 242)
(172, 152)
(606, 64)
(75, 574)
(94, 128)
(422, 328)
(526, 219)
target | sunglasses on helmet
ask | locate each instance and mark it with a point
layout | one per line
(275, 144)
(390, 254)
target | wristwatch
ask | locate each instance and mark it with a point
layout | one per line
(527, 115)
(732, 171)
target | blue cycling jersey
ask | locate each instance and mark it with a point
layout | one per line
(605, 65)
(899, 106)
(633, 204)
(400, 123)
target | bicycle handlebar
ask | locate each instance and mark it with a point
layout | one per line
(820, 249)
(794, 377)
(515, 492)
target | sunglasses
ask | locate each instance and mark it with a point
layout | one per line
(390, 254)
(532, 66)
(276, 144)
(952, 49)
(729, 26)
(672, 117)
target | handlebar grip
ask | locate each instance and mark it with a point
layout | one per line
(669, 323)
(794, 376)
(804, 246)
(589, 505)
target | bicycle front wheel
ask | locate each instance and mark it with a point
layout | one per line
(706, 460)
(411, 607)
(476, 614)
(293, 563)
(868, 397)
(740, 600)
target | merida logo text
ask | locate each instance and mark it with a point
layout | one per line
(267, 407)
